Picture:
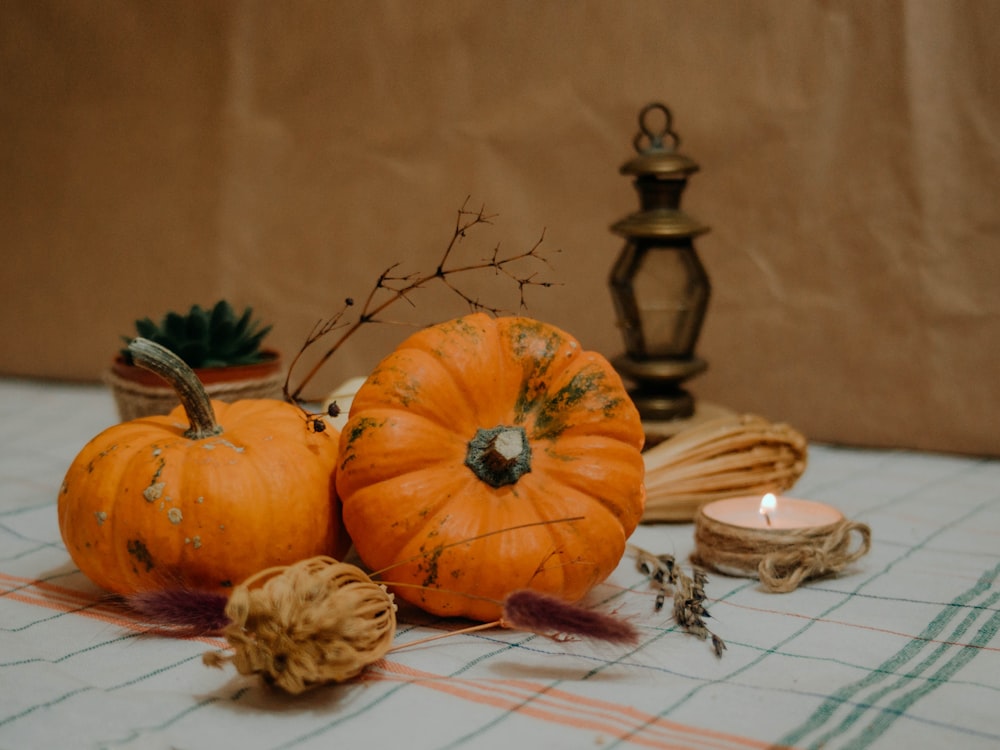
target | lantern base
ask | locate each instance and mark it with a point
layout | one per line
(658, 395)
(661, 407)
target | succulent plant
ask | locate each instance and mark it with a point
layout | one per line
(216, 337)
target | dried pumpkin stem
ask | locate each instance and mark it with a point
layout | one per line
(500, 455)
(158, 359)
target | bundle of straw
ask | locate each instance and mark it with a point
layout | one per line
(724, 457)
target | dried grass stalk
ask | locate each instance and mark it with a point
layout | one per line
(724, 457)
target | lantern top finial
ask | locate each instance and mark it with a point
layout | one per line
(654, 135)
(656, 145)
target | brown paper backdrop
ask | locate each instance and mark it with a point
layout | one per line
(157, 154)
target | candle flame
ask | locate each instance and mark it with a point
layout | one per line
(768, 503)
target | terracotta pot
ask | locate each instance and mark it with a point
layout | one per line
(141, 393)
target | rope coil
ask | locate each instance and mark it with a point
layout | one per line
(781, 558)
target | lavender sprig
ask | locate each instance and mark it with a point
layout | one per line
(688, 592)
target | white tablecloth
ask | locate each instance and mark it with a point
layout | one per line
(899, 651)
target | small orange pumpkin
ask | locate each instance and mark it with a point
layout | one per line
(165, 501)
(466, 451)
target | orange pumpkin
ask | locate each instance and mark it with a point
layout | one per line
(169, 501)
(466, 451)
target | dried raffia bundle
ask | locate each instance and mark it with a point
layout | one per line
(308, 624)
(723, 457)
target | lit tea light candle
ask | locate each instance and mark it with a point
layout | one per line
(767, 503)
(781, 540)
(770, 511)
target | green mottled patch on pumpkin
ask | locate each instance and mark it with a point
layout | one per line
(528, 396)
(404, 388)
(535, 345)
(552, 453)
(590, 383)
(358, 429)
(462, 327)
(453, 329)
(355, 431)
(526, 336)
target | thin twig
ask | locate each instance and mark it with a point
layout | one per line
(400, 286)
(449, 634)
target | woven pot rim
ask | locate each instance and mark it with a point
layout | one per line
(207, 375)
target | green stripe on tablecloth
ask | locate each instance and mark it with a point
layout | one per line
(899, 706)
(826, 710)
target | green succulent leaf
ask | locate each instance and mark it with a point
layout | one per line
(242, 324)
(174, 326)
(145, 328)
(203, 337)
(197, 325)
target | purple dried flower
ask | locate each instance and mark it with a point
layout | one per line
(546, 615)
(183, 611)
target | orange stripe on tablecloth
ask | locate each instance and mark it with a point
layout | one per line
(858, 626)
(94, 613)
(562, 707)
(80, 603)
(69, 593)
(52, 596)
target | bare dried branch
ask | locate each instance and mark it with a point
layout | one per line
(393, 286)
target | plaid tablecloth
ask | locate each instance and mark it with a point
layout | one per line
(901, 651)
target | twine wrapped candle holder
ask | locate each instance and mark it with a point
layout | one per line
(797, 541)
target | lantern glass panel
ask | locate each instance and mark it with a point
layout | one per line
(671, 293)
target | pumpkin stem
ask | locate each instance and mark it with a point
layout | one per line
(500, 455)
(197, 405)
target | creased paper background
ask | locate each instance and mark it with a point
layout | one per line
(157, 154)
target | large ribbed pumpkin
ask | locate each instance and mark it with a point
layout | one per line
(203, 497)
(468, 448)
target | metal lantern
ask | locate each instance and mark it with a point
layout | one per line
(660, 288)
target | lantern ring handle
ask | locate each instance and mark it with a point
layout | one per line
(654, 137)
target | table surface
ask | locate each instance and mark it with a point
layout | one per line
(901, 650)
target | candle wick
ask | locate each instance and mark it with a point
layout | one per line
(767, 517)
